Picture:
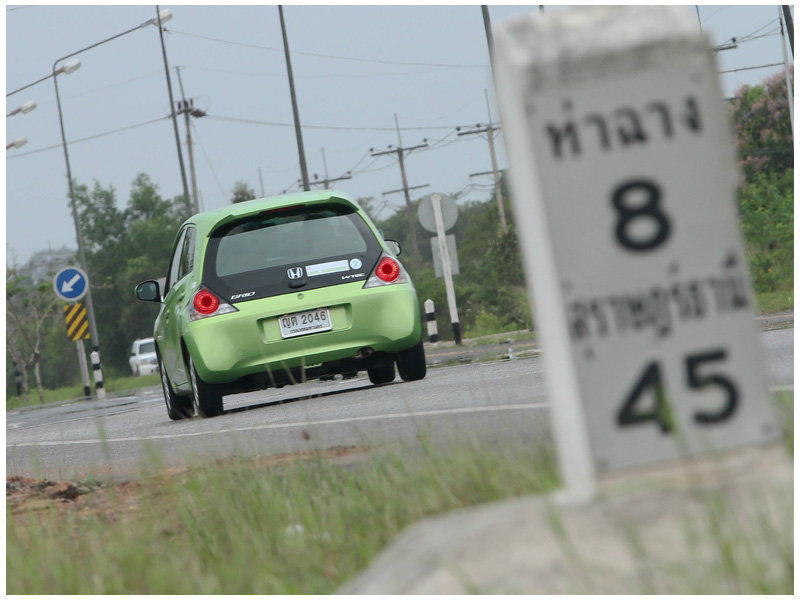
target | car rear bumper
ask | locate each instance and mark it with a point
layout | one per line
(384, 319)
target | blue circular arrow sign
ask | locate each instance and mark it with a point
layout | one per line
(71, 284)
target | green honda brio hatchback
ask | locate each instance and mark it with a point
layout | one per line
(279, 291)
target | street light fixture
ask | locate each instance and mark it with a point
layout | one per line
(21, 141)
(24, 109)
(67, 68)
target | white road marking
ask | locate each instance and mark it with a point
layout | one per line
(428, 413)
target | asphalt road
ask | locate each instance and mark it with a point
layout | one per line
(125, 437)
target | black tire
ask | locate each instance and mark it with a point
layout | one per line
(382, 374)
(206, 397)
(178, 407)
(411, 363)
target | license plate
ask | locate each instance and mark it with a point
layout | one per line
(302, 323)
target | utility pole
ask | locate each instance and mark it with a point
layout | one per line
(487, 25)
(297, 129)
(187, 109)
(787, 17)
(789, 93)
(490, 129)
(399, 151)
(325, 183)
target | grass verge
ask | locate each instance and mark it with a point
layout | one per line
(778, 300)
(112, 385)
(240, 527)
(307, 523)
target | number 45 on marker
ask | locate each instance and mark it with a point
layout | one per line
(698, 375)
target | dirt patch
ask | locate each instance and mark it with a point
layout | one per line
(25, 493)
(116, 500)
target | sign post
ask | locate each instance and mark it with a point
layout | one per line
(623, 170)
(447, 269)
(71, 284)
(77, 331)
(438, 213)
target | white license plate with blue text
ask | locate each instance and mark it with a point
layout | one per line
(302, 323)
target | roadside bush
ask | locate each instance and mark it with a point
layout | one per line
(766, 208)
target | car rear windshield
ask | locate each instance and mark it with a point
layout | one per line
(278, 239)
(256, 253)
(147, 347)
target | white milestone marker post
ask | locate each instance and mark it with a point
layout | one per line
(623, 173)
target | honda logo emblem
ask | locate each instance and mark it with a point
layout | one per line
(295, 272)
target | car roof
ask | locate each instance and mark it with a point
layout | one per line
(211, 219)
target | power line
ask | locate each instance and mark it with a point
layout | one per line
(208, 160)
(750, 68)
(330, 127)
(86, 139)
(326, 75)
(331, 56)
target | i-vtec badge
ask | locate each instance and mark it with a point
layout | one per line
(244, 295)
(295, 272)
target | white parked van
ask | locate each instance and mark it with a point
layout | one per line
(143, 359)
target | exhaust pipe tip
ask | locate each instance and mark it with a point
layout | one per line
(365, 352)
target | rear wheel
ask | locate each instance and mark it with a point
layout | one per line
(411, 363)
(178, 407)
(207, 398)
(382, 374)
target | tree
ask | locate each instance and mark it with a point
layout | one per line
(763, 128)
(28, 310)
(242, 193)
(123, 248)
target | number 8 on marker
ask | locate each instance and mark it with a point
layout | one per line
(649, 209)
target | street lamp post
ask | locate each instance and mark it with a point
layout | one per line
(159, 20)
(69, 68)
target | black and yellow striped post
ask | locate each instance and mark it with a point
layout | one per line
(78, 330)
(77, 324)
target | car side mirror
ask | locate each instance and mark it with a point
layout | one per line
(393, 246)
(148, 291)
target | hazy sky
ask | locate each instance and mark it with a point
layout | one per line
(355, 67)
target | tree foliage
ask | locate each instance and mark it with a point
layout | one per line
(766, 206)
(763, 127)
(242, 193)
(766, 200)
(123, 246)
(29, 310)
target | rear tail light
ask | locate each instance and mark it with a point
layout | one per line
(388, 271)
(207, 304)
